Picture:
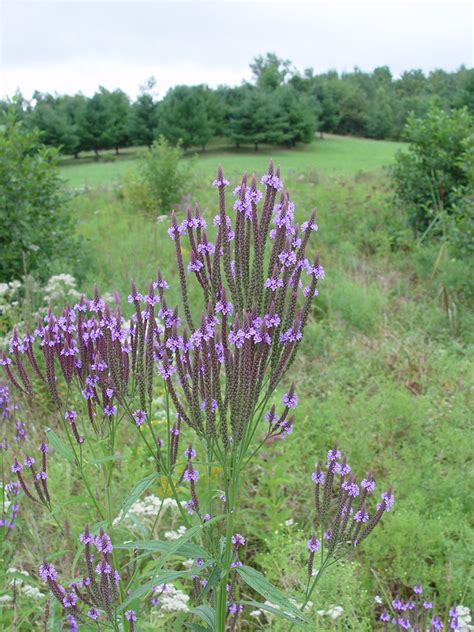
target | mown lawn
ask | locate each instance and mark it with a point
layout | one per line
(385, 371)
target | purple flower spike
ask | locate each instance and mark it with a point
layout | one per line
(130, 615)
(313, 544)
(140, 417)
(238, 540)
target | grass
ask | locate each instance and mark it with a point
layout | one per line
(331, 156)
(383, 371)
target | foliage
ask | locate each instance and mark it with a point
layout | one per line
(35, 225)
(436, 172)
(372, 104)
(161, 181)
(184, 117)
(397, 390)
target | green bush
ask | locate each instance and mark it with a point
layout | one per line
(161, 181)
(35, 227)
(436, 171)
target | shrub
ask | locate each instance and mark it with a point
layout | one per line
(162, 179)
(436, 172)
(34, 219)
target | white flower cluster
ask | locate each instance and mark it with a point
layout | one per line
(60, 287)
(26, 589)
(171, 599)
(174, 535)
(8, 298)
(147, 508)
(464, 619)
(334, 612)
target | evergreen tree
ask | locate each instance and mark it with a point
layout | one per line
(184, 117)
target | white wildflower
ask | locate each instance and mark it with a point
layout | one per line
(289, 523)
(335, 612)
(174, 535)
(171, 598)
(31, 591)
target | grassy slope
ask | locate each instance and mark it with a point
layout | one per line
(330, 156)
(382, 371)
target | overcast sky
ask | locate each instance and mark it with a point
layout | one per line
(68, 46)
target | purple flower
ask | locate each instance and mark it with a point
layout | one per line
(16, 467)
(273, 283)
(342, 468)
(70, 600)
(220, 182)
(47, 571)
(29, 461)
(272, 181)
(418, 589)
(93, 613)
(238, 540)
(130, 615)
(361, 516)
(70, 415)
(317, 477)
(333, 455)
(313, 544)
(368, 484)
(139, 416)
(191, 475)
(206, 517)
(103, 543)
(110, 410)
(309, 225)
(166, 370)
(389, 500)
(384, 616)
(427, 605)
(290, 399)
(86, 538)
(224, 307)
(195, 266)
(190, 453)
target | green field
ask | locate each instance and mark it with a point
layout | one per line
(385, 371)
(333, 155)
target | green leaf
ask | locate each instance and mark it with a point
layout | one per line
(196, 627)
(213, 581)
(136, 492)
(186, 550)
(279, 613)
(162, 578)
(61, 447)
(260, 584)
(190, 533)
(207, 614)
(106, 459)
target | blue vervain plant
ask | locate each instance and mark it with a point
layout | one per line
(220, 366)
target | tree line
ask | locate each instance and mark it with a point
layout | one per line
(280, 106)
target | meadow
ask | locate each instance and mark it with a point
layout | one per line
(385, 371)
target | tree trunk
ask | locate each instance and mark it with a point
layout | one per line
(321, 134)
(96, 151)
(116, 151)
(256, 146)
